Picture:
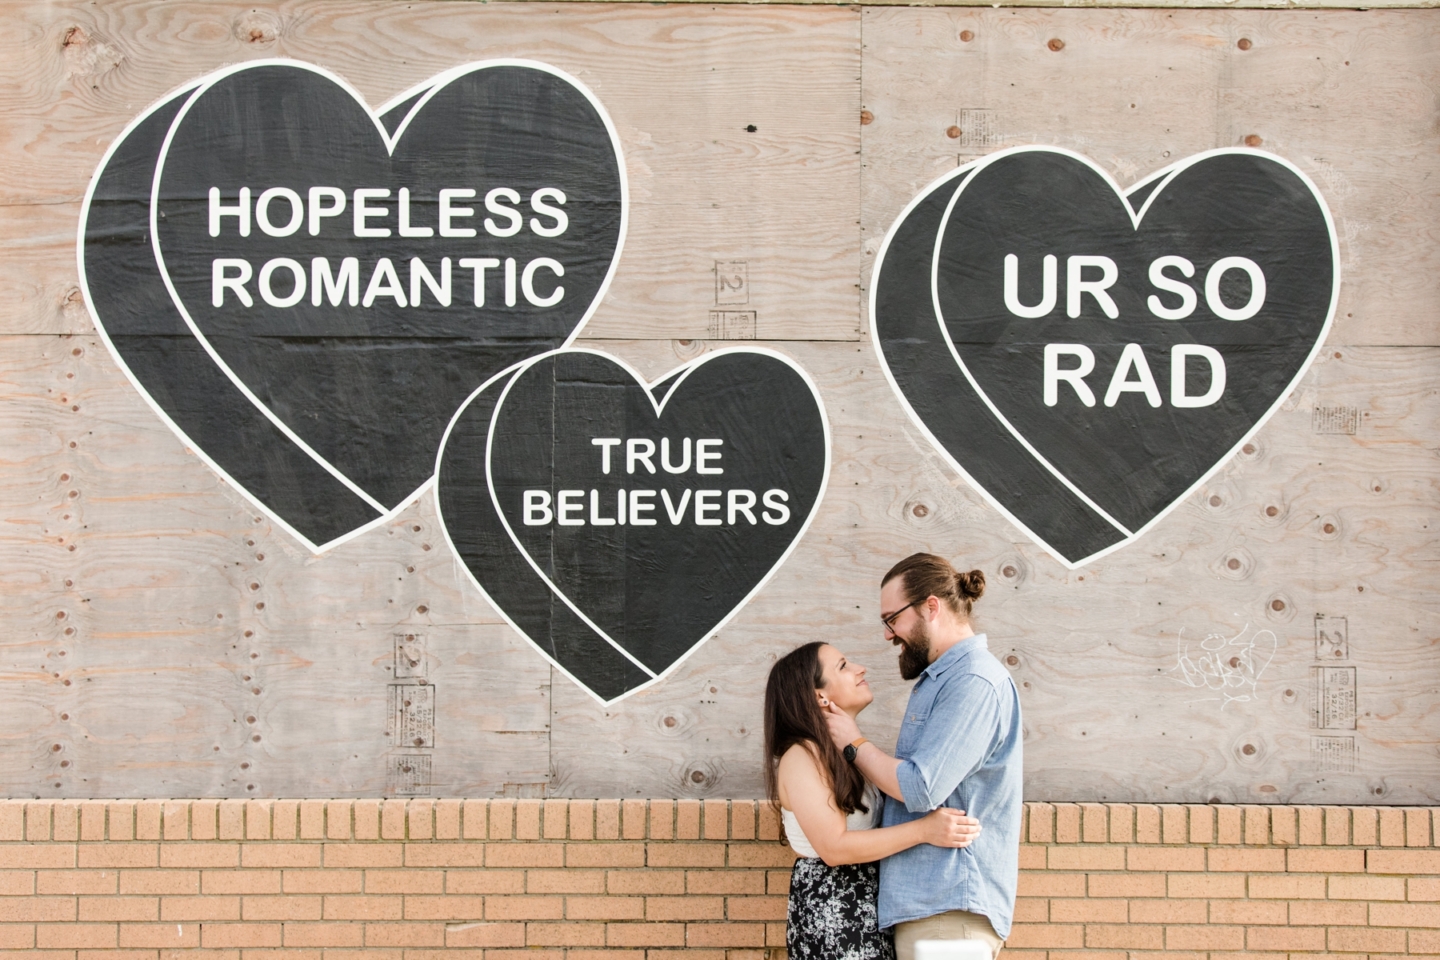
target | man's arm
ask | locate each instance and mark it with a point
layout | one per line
(958, 736)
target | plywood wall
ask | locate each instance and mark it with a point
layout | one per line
(158, 639)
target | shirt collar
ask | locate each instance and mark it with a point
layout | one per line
(956, 655)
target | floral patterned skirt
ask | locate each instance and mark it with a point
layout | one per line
(832, 913)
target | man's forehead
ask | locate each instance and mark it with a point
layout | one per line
(892, 593)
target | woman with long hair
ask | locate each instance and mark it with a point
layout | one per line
(830, 811)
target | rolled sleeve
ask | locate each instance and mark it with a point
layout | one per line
(959, 734)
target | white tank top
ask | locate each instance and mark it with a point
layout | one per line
(855, 821)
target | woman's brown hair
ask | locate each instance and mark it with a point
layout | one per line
(926, 575)
(793, 715)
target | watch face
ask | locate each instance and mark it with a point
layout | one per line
(850, 752)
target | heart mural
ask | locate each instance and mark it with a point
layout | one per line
(1087, 357)
(306, 290)
(616, 525)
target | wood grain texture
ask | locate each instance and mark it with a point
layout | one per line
(704, 186)
(1344, 96)
(149, 615)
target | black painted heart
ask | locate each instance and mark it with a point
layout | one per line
(1118, 347)
(357, 277)
(618, 525)
(148, 337)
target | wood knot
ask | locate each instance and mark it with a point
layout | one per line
(866, 118)
(1244, 43)
(257, 26)
(1056, 45)
(967, 35)
(1253, 140)
(953, 132)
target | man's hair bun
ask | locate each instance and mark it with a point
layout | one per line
(971, 584)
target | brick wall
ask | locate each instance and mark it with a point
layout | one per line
(636, 879)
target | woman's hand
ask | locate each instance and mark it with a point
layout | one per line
(945, 827)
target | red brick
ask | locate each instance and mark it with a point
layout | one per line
(605, 855)
(524, 908)
(456, 908)
(176, 909)
(164, 936)
(75, 936)
(1294, 886)
(689, 854)
(1046, 935)
(1425, 941)
(92, 855)
(404, 881)
(486, 935)
(485, 881)
(281, 854)
(582, 819)
(404, 934)
(725, 881)
(323, 934)
(71, 881)
(390, 907)
(1089, 911)
(1403, 861)
(320, 881)
(685, 908)
(1067, 823)
(1222, 859)
(1124, 936)
(1368, 888)
(287, 907)
(1405, 914)
(240, 881)
(1085, 857)
(1165, 858)
(1206, 937)
(1285, 938)
(724, 935)
(199, 855)
(1249, 911)
(759, 855)
(529, 854)
(1366, 940)
(240, 935)
(17, 936)
(571, 934)
(36, 909)
(645, 881)
(555, 818)
(342, 855)
(1032, 857)
(605, 908)
(1311, 860)
(445, 855)
(114, 909)
(1041, 818)
(1420, 888)
(565, 881)
(1169, 911)
(773, 908)
(645, 934)
(178, 882)
(1028, 910)
(1038, 884)
(1328, 913)
(1127, 885)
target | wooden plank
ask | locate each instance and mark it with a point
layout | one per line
(751, 154)
(1343, 95)
(1095, 651)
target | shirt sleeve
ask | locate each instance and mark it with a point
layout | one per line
(959, 734)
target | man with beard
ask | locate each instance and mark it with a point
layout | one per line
(959, 747)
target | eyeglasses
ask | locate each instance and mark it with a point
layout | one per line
(889, 621)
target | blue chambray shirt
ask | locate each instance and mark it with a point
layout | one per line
(959, 746)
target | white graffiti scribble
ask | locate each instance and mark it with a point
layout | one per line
(1229, 666)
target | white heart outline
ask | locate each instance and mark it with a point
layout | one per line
(428, 89)
(1166, 173)
(684, 369)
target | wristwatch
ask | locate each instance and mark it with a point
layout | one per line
(853, 748)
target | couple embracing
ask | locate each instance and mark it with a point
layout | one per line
(919, 846)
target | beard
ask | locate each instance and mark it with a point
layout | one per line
(915, 652)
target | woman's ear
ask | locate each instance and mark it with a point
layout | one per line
(824, 700)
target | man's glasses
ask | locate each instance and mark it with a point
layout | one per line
(889, 621)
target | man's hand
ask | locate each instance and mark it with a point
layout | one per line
(843, 728)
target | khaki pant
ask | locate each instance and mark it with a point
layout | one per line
(954, 925)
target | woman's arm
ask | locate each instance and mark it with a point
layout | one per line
(803, 790)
